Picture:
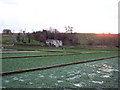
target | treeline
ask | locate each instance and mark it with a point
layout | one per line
(42, 36)
(71, 38)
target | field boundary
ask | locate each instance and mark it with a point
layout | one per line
(54, 66)
(32, 50)
(46, 55)
(57, 51)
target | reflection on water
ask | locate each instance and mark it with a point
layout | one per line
(21, 80)
(15, 78)
(72, 78)
(106, 76)
(72, 74)
(104, 65)
(41, 76)
(62, 76)
(52, 76)
(91, 75)
(30, 83)
(107, 69)
(56, 84)
(39, 87)
(98, 72)
(79, 84)
(84, 73)
(6, 81)
(59, 81)
(99, 82)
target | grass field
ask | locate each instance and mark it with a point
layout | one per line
(102, 74)
(28, 53)
(98, 74)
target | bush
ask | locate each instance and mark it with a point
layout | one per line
(32, 42)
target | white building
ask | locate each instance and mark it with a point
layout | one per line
(52, 42)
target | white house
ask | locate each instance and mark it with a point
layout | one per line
(52, 42)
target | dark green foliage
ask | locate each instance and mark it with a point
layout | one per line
(18, 37)
(39, 36)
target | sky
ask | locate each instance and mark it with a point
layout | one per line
(85, 16)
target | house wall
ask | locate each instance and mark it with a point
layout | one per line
(56, 43)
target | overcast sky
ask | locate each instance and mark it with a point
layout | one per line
(86, 16)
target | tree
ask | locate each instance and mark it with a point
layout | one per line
(7, 31)
(45, 34)
(29, 39)
(18, 37)
(69, 29)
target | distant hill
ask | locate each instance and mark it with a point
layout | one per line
(97, 39)
(83, 39)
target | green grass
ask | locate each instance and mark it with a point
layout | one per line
(25, 47)
(28, 53)
(8, 39)
(64, 48)
(100, 74)
(26, 63)
(32, 42)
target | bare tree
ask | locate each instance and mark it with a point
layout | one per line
(69, 29)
